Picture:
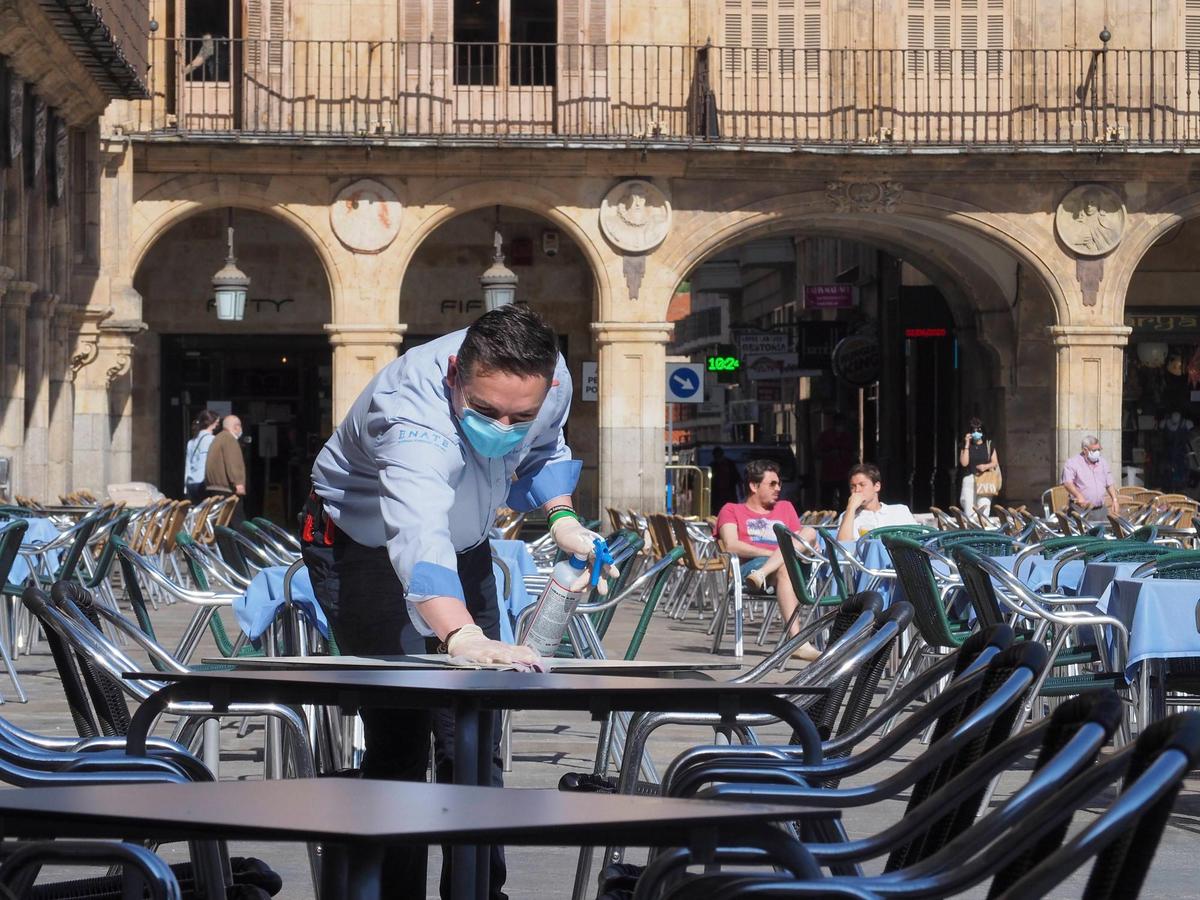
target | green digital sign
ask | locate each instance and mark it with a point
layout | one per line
(724, 364)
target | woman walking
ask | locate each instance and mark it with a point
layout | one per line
(976, 457)
(197, 454)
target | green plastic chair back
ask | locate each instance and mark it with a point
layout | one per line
(829, 539)
(1052, 546)
(602, 620)
(901, 531)
(108, 555)
(652, 597)
(1146, 534)
(1180, 564)
(798, 572)
(11, 535)
(914, 571)
(1127, 551)
(986, 543)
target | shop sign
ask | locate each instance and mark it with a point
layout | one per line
(1162, 323)
(742, 412)
(856, 360)
(763, 343)
(828, 296)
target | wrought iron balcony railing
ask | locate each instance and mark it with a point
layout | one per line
(387, 91)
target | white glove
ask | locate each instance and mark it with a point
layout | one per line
(571, 537)
(470, 645)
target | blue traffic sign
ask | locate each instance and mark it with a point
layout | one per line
(685, 383)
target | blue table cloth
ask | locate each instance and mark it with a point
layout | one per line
(259, 606)
(1036, 572)
(262, 600)
(1160, 615)
(517, 560)
(40, 531)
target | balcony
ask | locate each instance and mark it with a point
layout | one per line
(402, 93)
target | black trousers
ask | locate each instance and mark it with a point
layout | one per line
(364, 600)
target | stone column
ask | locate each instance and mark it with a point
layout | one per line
(633, 414)
(359, 351)
(61, 428)
(1090, 375)
(37, 396)
(13, 309)
(103, 425)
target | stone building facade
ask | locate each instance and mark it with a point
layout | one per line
(369, 150)
(61, 65)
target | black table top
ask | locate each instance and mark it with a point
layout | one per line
(508, 689)
(351, 810)
(441, 661)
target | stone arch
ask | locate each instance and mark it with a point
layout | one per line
(918, 217)
(471, 196)
(185, 200)
(1150, 228)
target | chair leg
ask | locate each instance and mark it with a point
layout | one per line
(898, 679)
(12, 673)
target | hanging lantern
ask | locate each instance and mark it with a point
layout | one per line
(499, 283)
(230, 286)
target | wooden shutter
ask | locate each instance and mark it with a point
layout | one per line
(943, 37)
(732, 38)
(439, 31)
(785, 27)
(969, 35)
(813, 36)
(915, 32)
(996, 33)
(413, 33)
(597, 34)
(277, 23)
(760, 35)
(254, 34)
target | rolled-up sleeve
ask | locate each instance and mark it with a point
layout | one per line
(547, 471)
(417, 470)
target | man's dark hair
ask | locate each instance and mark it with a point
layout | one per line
(869, 469)
(511, 339)
(756, 469)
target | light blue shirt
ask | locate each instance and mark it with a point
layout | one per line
(399, 472)
(197, 456)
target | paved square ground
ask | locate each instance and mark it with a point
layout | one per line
(545, 745)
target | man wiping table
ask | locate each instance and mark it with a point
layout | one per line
(395, 532)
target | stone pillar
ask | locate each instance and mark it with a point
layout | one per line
(633, 414)
(1090, 376)
(37, 396)
(14, 305)
(103, 424)
(359, 351)
(61, 427)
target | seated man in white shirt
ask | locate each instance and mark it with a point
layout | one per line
(864, 511)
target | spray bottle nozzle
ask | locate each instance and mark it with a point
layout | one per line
(603, 558)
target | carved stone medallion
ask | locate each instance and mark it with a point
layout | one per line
(365, 216)
(864, 196)
(1090, 220)
(635, 216)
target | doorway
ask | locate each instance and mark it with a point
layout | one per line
(280, 387)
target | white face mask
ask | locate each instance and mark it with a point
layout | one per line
(1094, 455)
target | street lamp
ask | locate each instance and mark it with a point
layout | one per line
(498, 282)
(230, 286)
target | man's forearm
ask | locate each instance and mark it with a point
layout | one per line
(444, 615)
(559, 501)
(846, 529)
(743, 549)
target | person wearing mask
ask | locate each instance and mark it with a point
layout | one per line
(395, 532)
(1089, 482)
(196, 454)
(748, 530)
(976, 456)
(225, 468)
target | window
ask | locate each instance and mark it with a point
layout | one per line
(476, 39)
(760, 36)
(1191, 36)
(935, 29)
(206, 41)
(529, 28)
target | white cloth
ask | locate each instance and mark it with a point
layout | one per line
(888, 514)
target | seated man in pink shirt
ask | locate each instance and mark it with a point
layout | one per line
(748, 530)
